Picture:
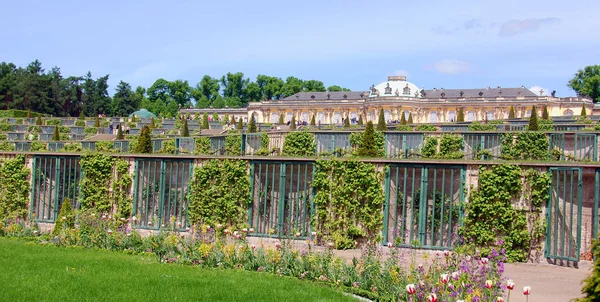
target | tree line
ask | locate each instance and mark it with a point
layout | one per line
(49, 92)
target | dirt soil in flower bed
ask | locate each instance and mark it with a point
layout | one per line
(549, 283)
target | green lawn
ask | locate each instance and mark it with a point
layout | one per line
(32, 272)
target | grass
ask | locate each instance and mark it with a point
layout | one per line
(34, 272)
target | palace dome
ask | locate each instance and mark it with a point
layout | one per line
(395, 86)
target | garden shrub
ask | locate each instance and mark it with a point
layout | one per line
(526, 146)
(429, 149)
(381, 124)
(121, 185)
(348, 202)
(451, 146)
(477, 126)
(369, 146)
(233, 144)
(94, 184)
(38, 146)
(105, 146)
(426, 127)
(14, 197)
(90, 131)
(144, 142)
(378, 143)
(252, 124)
(299, 144)
(80, 123)
(264, 145)
(404, 127)
(168, 147)
(202, 145)
(71, 147)
(220, 193)
(53, 122)
(5, 127)
(65, 219)
(7, 146)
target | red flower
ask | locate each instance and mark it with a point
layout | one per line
(411, 289)
(526, 290)
(432, 298)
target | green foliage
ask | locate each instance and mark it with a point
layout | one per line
(80, 123)
(202, 145)
(97, 122)
(347, 122)
(264, 145)
(7, 146)
(219, 193)
(94, 185)
(545, 113)
(252, 124)
(215, 117)
(402, 119)
(381, 124)
(71, 147)
(426, 127)
(38, 146)
(168, 147)
(12, 113)
(233, 144)
(240, 125)
(404, 127)
(38, 121)
(546, 125)
(477, 126)
(583, 111)
(232, 122)
(511, 113)
(121, 185)
(460, 117)
(360, 119)
(313, 121)
(81, 116)
(348, 202)
(492, 221)
(451, 146)
(586, 82)
(53, 122)
(378, 144)
(144, 143)
(204, 124)
(5, 127)
(299, 144)
(526, 146)
(65, 219)
(90, 130)
(186, 131)
(591, 284)
(14, 199)
(152, 123)
(429, 149)
(533, 121)
(28, 113)
(368, 147)
(120, 135)
(293, 122)
(105, 146)
(55, 134)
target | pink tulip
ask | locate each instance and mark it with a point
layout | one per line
(122, 219)
(226, 231)
(245, 230)
(109, 232)
(411, 289)
(219, 226)
(187, 229)
(235, 233)
(355, 243)
(253, 246)
(447, 253)
(510, 285)
(162, 226)
(444, 278)
(432, 298)
(149, 223)
(134, 218)
(278, 245)
(64, 218)
(297, 234)
(330, 245)
(484, 261)
(455, 275)
(389, 245)
(314, 234)
(526, 290)
(489, 284)
(499, 299)
(251, 230)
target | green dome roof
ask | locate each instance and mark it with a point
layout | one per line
(143, 113)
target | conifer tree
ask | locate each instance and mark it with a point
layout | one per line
(97, 122)
(367, 147)
(185, 132)
(591, 284)
(381, 125)
(119, 133)
(511, 113)
(293, 123)
(545, 114)
(144, 144)
(240, 125)
(410, 119)
(403, 119)
(347, 122)
(215, 117)
(152, 125)
(65, 218)
(29, 113)
(533, 121)
(461, 115)
(204, 121)
(226, 118)
(583, 111)
(281, 120)
(313, 121)
(232, 120)
(55, 134)
(251, 124)
(82, 115)
(38, 121)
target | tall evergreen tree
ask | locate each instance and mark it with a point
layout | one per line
(360, 120)
(29, 113)
(347, 122)
(410, 119)
(124, 101)
(204, 121)
(232, 120)
(293, 122)
(533, 121)
(120, 135)
(313, 121)
(511, 113)
(97, 122)
(281, 120)
(55, 134)
(185, 132)
(583, 111)
(82, 115)
(240, 125)
(545, 114)
(144, 144)
(591, 284)
(403, 119)
(461, 115)
(367, 147)
(152, 124)
(38, 121)
(381, 124)
(251, 124)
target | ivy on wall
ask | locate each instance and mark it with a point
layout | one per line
(264, 145)
(94, 185)
(233, 144)
(450, 146)
(493, 221)
(348, 202)
(121, 186)
(525, 146)
(14, 192)
(220, 193)
(299, 144)
(202, 145)
(168, 147)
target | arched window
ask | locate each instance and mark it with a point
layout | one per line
(568, 112)
(320, 118)
(274, 117)
(528, 113)
(490, 115)
(470, 116)
(305, 117)
(406, 114)
(337, 118)
(289, 117)
(387, 115)
(452, 116)
(433, 118)
(372, 116)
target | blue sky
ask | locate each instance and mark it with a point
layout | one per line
(353, 43)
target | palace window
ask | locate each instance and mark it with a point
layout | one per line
(387, 115)
(337, 118)
(490, 115)
(528, 113)
(470, 116)
(305, 117)
(320, 118)
(568, 112)
(452, 116)
(433, 118)
(274, 117)
(289, 117)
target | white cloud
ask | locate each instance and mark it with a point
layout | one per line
(536, 89)
(401, 72)
(451, 66)
(515, 27)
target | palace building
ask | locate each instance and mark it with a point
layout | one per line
(397, 96)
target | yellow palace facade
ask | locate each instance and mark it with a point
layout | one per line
(397, 96)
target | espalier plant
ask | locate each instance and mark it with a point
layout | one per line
(94, 185)
(14, 199)
(299, 144)
(525, 146)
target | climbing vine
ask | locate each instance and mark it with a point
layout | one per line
(426, 127)
(121, 185)
(348, 202)
(494, 221)
(202, 145)
(220, 193)
(525, 146)
(168, 147)
(14, 192)
(264, 145)
(299, 144)
(356, 141)
(450, 146)
(233, 144)
(94, 185)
